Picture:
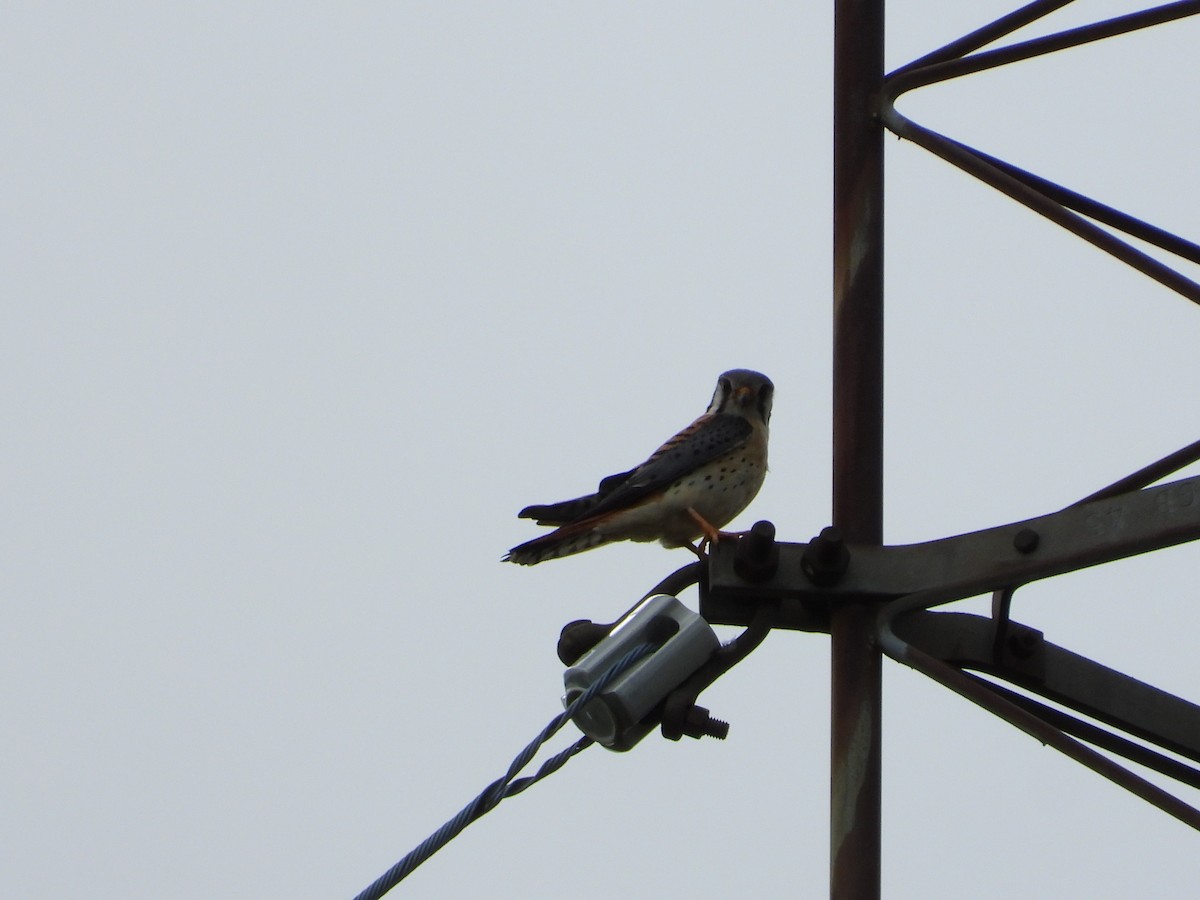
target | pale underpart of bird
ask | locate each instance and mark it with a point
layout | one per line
(689, 488)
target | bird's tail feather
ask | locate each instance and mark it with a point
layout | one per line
(563, 542)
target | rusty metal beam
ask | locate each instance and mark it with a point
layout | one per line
(856, 666)
(981, 37)
(928, 70)
(1094, 209)
(976, 164)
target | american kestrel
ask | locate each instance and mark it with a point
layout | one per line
(689, 487)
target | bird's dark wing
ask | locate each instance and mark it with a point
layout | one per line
(706, 439)
(573, 510)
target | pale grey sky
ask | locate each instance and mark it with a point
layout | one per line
(302, 302)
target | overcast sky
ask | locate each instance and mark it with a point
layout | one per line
(303, 301)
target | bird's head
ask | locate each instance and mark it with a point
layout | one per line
(743, 392)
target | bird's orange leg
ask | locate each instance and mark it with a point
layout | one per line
(711, 535)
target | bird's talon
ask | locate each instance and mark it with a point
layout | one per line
(710, 534)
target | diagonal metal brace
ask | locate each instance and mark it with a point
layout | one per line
(1030, 662)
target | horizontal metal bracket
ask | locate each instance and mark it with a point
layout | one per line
(941, 571)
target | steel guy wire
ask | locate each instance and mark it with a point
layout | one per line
(507, 786)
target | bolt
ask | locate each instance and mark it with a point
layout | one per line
(1026, 540)
(1023, 644)
(578, 637)
(698, 723)
(828, 543)
(825, 559)
(757, 555)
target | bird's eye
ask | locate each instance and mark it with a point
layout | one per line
(764, 402)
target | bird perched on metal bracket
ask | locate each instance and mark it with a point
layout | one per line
(689, 487)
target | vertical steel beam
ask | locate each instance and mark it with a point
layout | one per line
(857, 441)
